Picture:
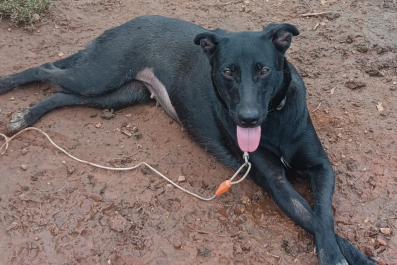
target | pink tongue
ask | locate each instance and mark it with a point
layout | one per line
(248, 138)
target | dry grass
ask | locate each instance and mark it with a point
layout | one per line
(23, 12)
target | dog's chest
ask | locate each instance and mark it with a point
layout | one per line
(157, 90)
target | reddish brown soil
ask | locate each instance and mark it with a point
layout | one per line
(58, 211)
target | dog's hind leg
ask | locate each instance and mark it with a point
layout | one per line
(77, 80)
(73, 74)
(269, 173)
(8, 83)
(40, 73)
(132, 92)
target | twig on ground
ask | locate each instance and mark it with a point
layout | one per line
(319, 104)
(315, 14)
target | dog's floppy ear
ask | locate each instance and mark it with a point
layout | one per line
(208, 42)
(281, 35)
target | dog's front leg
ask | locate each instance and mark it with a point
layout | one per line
(323, 182)
(269, 172)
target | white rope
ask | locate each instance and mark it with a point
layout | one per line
(9, 139)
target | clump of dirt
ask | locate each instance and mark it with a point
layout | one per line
(55, 210)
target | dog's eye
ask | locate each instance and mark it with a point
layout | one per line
(264, 70)
(227, 72)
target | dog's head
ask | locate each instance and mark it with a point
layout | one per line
(248, 74)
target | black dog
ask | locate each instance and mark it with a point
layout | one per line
(232, 92)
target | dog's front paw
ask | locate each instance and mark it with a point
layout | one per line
(334, 258)
(353, 255)
(18, 122)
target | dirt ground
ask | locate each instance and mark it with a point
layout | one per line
(54, 210)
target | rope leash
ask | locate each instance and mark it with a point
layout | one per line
(223, 187)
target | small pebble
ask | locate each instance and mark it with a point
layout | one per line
(24, 167)
(385, 230)
(71, 169)
(98, 125)
(138, 135)
(24, 151)
(12, 98)
(246, 246)
(36, 238)
(245, 199)
(181, 179)
(380, 107)
(35, 17)
(177, 243)
(380, 249)
(381, 262)
(381, 241)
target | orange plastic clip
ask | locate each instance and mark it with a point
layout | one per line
(225, 186)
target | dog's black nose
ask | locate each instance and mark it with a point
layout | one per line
(248, 118)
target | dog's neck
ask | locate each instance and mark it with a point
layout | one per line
(278, 102)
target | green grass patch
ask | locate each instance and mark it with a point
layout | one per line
(23, 12)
